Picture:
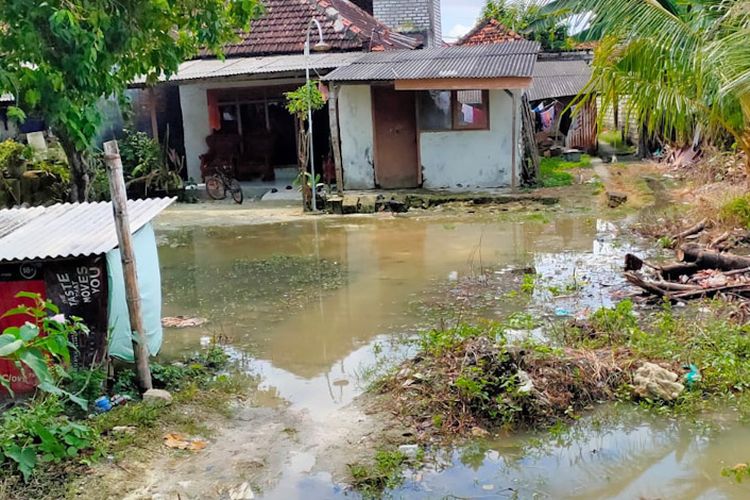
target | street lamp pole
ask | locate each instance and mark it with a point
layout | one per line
(321, 46)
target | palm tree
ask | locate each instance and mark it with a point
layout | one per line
(680, 67)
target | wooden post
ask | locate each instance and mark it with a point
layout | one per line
(514, 160)
(127, 254)
(154, 121)
(333, 113)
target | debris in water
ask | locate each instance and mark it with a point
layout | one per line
(182, 322)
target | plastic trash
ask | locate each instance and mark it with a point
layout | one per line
(561, 311)
(693, 376)
(102, 404)
(409, 450)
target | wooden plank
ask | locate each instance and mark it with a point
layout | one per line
(333, 114)
(464, 84)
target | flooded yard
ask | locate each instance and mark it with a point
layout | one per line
(313, 306)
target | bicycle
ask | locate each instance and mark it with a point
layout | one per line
(221, 181)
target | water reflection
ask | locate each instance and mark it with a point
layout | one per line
(631, 458)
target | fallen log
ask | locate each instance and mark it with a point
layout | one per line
(675, 271)
(650, 287)
(708, 259)
(697, 228)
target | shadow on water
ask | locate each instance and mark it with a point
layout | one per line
(312, 305)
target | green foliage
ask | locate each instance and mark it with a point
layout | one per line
(528, 283)
(140, 154)
(736, 211)
(738, 472)
(27, 349)
(198, 369)
(61, 58)
(682, 65)
(144, 161)
(385, 473)
(529, 19)
(306, 97)
(41, 433)
(13, 155)
(437, 341)
(58, 56)
(554, 170)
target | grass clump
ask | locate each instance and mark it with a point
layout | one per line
(736, 212)
(470, 376)
(385, 472)
(555, 171)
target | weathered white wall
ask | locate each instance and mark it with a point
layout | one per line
(473, 158)
(194, 103)
(355, 122)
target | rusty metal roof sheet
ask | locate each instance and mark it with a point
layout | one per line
(202, 69)
(554, 79)
(68, 230)
(508, 59)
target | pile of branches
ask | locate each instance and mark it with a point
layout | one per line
(479, 384)
(699, 272)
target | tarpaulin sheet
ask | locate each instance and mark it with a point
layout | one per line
(149, 286)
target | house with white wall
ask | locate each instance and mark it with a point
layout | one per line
(405, 111)
(440, 118)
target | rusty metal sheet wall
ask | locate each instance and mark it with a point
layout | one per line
(583, 131)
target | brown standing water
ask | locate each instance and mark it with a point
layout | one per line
(310, 306)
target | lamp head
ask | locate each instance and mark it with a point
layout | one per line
(321, 46)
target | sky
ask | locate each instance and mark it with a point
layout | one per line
(459, 16)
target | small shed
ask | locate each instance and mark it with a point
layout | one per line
(68, 253)
(557, 82)
(438, 118)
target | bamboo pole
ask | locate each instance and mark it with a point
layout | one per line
(333, 113)
(127, 254)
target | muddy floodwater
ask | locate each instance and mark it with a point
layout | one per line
(310, 306)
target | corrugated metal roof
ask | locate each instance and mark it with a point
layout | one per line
(202, 69)
(554, 79)
(508, 59)
(68, 230)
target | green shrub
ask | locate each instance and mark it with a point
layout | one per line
(140, 154)
(41, 433)
(736, 211)
(13, 155)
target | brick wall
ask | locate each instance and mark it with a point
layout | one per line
(411, 16)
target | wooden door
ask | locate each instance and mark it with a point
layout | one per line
(395, 123)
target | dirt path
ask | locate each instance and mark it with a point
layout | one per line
(271, 450)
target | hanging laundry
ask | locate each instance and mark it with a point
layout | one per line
(548, 118)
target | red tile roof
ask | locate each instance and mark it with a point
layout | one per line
(346, 27)
(489, 31)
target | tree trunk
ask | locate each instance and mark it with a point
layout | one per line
(706, 259)
(79, 177)
(303, 150)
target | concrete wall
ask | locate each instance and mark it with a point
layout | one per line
(411, 16)
(355, 122)
(194, 104)
(473, 158)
